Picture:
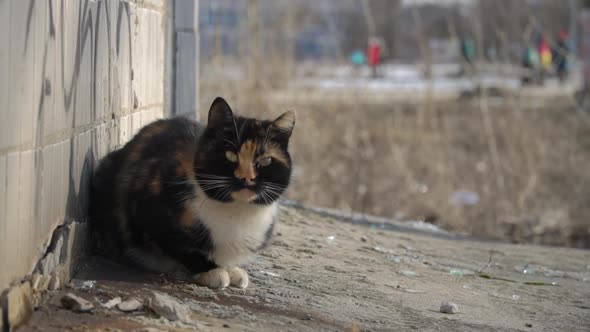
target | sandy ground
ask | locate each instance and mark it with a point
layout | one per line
(324, 273)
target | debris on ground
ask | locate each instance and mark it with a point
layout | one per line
(130, 305)
(110, 304)
(76, 303)
(407, 273)
(83, 284)
(449, 307)
(168, 307)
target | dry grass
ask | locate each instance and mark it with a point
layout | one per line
(529, 165)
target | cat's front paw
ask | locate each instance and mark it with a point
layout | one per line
(216, 278)
(238, 277)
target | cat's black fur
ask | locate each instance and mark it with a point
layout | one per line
(145, 197)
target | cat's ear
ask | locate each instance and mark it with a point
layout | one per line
(285, 123)
(220, 113)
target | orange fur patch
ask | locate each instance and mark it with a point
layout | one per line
(155, 184)
(246, 155)
(185, 163)
(188, 217)
(142, 138)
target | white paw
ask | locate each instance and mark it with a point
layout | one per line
(238, 277)
(216, 278)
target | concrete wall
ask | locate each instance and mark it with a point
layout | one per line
(77, 79)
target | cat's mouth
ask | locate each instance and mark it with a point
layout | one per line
(244, 195)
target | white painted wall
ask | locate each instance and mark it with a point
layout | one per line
(77, 79)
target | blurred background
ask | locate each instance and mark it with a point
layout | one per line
(469, 115)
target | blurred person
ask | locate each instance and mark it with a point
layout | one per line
(374, 55)
(545, 56)
(358, 60)
(560, 55)
(468, 53)
(530, 61)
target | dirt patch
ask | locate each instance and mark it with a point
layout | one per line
(321, 273)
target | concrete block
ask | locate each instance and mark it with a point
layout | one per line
(26, 234)
(141, 58)
(45, 173)
(85, 172)
(54, 113)
(19, 305)
(159, 57)
(100, 85)
(155, 3)
(102, 144)
(123, 53)
(60, 189)
(55, 180)
(12, 210)
(37, 83)
(146, 117)
(66, 175)
(84, 105)
(4, 235)
(124, 130)
(149, 56)
(135, 123)
(4, 69)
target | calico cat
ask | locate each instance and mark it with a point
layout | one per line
(204, 197)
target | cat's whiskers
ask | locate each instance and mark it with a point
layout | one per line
(222, 193)
(232, 143)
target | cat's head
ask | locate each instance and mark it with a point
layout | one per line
(244, 159)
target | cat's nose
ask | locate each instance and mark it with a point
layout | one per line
(248, 181)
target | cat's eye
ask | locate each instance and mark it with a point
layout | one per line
(231, 156)
(265, 161)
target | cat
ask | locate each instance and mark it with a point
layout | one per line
(202, 197)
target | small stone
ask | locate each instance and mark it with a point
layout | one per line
(112, 303)
(83, 284)
(448, 307)
(168, 307)
(226, 325)
(54, 283)
(40, 282)
(407, 273)
(307, 317)
(75, 303)
(364, 238)
(19, 304)
(528, 325)
(130, 305)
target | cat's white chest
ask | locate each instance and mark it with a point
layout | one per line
(237, 229)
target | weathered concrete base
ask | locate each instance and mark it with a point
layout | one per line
(60, 263)
(322, 273)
